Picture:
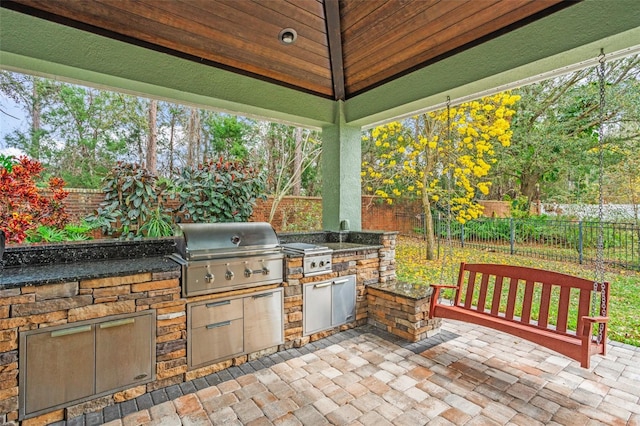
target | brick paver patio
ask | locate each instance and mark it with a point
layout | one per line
(466, 375)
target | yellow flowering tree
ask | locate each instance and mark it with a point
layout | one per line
(439, 159)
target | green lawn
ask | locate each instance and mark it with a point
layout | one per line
(624, 303)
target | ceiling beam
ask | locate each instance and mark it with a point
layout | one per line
(334, 37)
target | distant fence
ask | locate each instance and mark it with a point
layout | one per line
(562, 240)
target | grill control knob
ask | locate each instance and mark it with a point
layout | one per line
(313, 264)
(208, 277)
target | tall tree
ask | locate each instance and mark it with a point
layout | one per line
(555, 129)
(441, 157)
(193, 137)
(152, 138)
(283, 170)
(32, 95)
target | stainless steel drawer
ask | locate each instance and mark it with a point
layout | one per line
(217, 340)
(215, 311)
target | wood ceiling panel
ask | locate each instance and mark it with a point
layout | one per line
(240, 35)
(373, 41)
(448, 32)
(409, 38)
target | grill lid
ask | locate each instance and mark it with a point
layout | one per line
(209, 240)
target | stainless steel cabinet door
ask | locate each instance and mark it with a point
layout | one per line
(316, 305)
(263, 321)
(343, 300)
(56, 366)
(125, 350)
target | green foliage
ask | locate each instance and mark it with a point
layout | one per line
(226, 134)
(133, 197)
(7, 162)
(45, 234)
(219, 191)
(71, 232)
(158, 224)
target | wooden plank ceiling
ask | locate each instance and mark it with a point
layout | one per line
(343, 47)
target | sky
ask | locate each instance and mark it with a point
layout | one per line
(8, 123)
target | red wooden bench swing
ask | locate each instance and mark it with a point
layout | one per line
(501, 297)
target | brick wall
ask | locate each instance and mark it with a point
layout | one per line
(295, 214)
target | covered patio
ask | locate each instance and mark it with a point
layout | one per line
(465, 375)
(343, 66)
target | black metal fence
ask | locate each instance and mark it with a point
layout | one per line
(562, 240)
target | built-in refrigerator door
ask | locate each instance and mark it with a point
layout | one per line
(316, 310)
(343, 308)
(263, 321)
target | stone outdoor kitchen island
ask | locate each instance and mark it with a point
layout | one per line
(68, 314)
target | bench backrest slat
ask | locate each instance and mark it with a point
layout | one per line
(497, 291)
(471, 285)
(515, 293)
(563, 308)
(527, 302)
(545, 302)
(482, 298)
(584, 306)
(511, 299)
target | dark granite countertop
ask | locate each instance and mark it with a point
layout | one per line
(57, 263)
(52, 273)
(405, 289)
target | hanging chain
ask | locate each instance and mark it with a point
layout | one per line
(599, 270)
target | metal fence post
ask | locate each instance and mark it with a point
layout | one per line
(580, 242)
(512, 236)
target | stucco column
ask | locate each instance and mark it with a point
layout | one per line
(341, 158)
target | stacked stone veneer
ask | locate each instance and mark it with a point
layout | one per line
(404, 315)
(369, 265)
(30, 307)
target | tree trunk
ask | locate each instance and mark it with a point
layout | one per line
(193, 138)
(297, 163)
(528, 185)
(172, 133)
(152, 139)
(35, 121)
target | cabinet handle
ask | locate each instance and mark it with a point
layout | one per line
(219, 324)
(215, 304)
(257, 296)
(68, 331)
(322, 285)
(117, 323)
(341, 281)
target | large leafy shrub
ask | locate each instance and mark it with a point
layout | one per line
(22, 205)
(134, 203)
(219, 191)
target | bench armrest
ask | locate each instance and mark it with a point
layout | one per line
(596, 320)
(443, 286)
(587, 327)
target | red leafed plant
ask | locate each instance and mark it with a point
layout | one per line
(22, 206)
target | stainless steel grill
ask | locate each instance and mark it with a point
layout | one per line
(316, 259)
(217, 257)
